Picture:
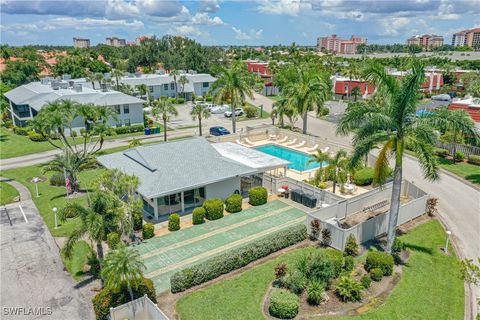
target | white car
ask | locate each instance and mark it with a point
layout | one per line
(219, 109)
(238, 112)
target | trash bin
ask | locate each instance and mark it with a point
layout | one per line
(309, 201)
(157, 129)
(147, 131)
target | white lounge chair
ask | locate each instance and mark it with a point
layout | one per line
(272, 137)
(238, 141)
(301, 144)
(315, 147)
(325, 150)
(282, 140)
(291, 142)
(249, 142)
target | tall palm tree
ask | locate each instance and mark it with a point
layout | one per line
(337, 164)
(117, 74)
(123, 266)
(232, 86)
(351, 72)
(175, 74)
(163, 109)
(356, 92)
(309, 93)
(99, 77)
(457, 121)
(387, 126)
(282, 109)
(199, 112)
(71, 164)
(103, 215)
(273, 68)
(90, 78)
(183, 81)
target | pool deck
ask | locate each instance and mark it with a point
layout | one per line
(167, 254)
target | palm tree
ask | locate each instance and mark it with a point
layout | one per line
(273, 68)
(90, 78)
(387, 126)
(163, 108)
(232, 86)
(117, 74)
(309, 93)
(103, 215)
(183, 81)
(356, 92)
(458, 121)
(282, 108)
(98, 77)
(122, 266)
(337, 164)
(352, 72)
(174, 74)
(199, 112)
(70, 164)
(143, 90)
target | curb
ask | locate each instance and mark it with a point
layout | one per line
(453, 175)
(470, 304)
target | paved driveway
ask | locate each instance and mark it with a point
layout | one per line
(34, 284)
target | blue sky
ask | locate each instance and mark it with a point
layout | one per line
(217, 22)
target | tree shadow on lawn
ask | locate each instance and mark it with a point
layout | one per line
(419, 248)
(85, 282)
(3, 138)
(474, 178)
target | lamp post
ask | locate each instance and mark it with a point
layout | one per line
(55, 214)
(36, 180)
(446, 243)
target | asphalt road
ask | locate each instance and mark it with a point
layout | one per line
(34, 284)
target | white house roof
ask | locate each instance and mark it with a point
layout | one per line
(249, 157)
(166, 168)
(161, 79)
(37, 95)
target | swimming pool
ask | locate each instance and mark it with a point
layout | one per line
(298, 160)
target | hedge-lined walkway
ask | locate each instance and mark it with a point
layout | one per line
(168, 254)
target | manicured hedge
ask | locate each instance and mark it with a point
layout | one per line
(283, 304)
(174, 222)
(441, 152)
(213, 208)
(364, 176)
(474, 159)
(198, 215)
(36, 137)
(233, 203)
(381, 260)
(20, 131)
(148, 231)
(106, 298)
(236, 258)
(129, 129)
(257, 196)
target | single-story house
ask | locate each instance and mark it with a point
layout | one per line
(28, 99)
(177, 176)
(343, 86)
(163, 85)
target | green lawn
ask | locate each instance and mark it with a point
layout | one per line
(7, 193)
(465, 170)
(430, 287)
(78, 259)
(13, 145)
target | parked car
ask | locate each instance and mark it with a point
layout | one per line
(219, 109)
(218, 131)
(442, 97)
(238, 112)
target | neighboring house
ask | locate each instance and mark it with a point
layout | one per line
(163, 85)
(343, 87)
(178, 176)
(27, 100)
(433, 79)
(471, 106)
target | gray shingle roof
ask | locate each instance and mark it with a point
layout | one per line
(160, 79)
(38, 95)
(170, 167)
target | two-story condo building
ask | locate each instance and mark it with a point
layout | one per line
(163, 85)
(27, 100)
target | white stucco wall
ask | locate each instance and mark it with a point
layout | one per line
(222, 189)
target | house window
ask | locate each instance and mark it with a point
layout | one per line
(127, 122)
(205, 84)
(126, 108)
(165, 86)
(172, 86)
(150, 88)
(117, 109)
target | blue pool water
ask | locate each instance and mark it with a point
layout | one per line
(298, 160)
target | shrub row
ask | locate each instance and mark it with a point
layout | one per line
(237, 258)
(474, 159)
(129, 129)
(36, 137)
(441, 152)
(364, 176)
(20, 131)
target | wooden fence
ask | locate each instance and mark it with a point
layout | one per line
(467, 150)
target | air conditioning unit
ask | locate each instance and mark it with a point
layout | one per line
(45, 80)
(55, 85)
(64, 85)
(77, 87)
(103, 86)
(192, 71)
(66, 77)
(71, 83)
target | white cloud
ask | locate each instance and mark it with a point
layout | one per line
(252, 34)
(208, 6)
(204, 19)
(390, 26)
(188, 31)
(283, 7)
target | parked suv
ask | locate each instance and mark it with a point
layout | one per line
(218, 131)
(238, 112)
